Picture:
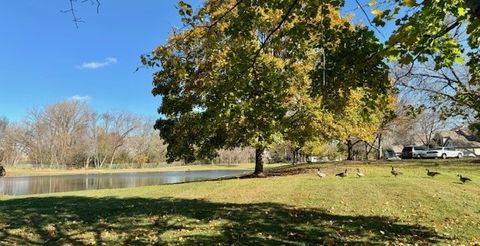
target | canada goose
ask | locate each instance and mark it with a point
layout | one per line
(463, 178)
(360, 174)
(432, 174)
(342, 174)
(395, 172)
(320, 174)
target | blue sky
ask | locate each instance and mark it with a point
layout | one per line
(45, 58)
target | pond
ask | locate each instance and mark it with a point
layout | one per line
(64, 183)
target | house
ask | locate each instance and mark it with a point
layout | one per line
(460, 138)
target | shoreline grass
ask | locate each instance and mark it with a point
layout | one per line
(286, 209)
(25, 172)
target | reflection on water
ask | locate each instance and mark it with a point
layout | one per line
(49, 184)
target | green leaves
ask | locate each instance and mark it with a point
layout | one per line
(428, 31)
(185, 9)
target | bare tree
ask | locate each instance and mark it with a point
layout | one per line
(69, 133)
(449, 90)
(428, 124)
(13, 144)
(235, 156)
(110, 132)
(3, 127)
(144, 145)
(56, 134)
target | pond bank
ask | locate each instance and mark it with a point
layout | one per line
(25, 172)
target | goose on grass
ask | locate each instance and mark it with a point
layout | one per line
(432, 173)
(342, 174)
(320, 174)
(394, 172)
(463, 179)
(359, 173)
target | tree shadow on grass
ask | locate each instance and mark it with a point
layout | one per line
(88, 220)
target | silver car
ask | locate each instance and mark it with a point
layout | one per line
(443, 152)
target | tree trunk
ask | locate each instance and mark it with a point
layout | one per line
(112, 159)
(350, 150)
(87, 162)
(258, 162)
(367, 152)
(294, 156)
(103, 161)
(379, 149)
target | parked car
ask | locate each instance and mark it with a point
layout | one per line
(390, 155)
(311, 159)
(443, 152)
(410, 152)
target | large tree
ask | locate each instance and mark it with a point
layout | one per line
(242, 73)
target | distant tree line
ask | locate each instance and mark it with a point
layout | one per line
(70, 133)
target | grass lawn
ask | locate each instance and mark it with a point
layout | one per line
(281, 209)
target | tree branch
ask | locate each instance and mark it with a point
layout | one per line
(72, 10)
(431, 91)
(368, 19)
(76, 20)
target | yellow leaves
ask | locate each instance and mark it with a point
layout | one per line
(377, 12)
(217, 9)
(391, 101)
(410, 3)
(372, 3)
(272, 61)
(356, 120)
(408, 28)
(270, 16)
(51, 230)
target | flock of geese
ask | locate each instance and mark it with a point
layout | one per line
(394, 172)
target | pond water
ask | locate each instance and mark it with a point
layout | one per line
(63, 183)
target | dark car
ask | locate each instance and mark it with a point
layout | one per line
(410, 152)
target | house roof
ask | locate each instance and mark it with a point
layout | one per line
(461, 137)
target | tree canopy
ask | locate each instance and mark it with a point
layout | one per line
(244, 73)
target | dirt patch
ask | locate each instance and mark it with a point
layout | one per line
(288, 172)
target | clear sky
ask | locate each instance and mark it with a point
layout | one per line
(44, 58)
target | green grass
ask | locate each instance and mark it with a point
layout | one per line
(287, 209)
